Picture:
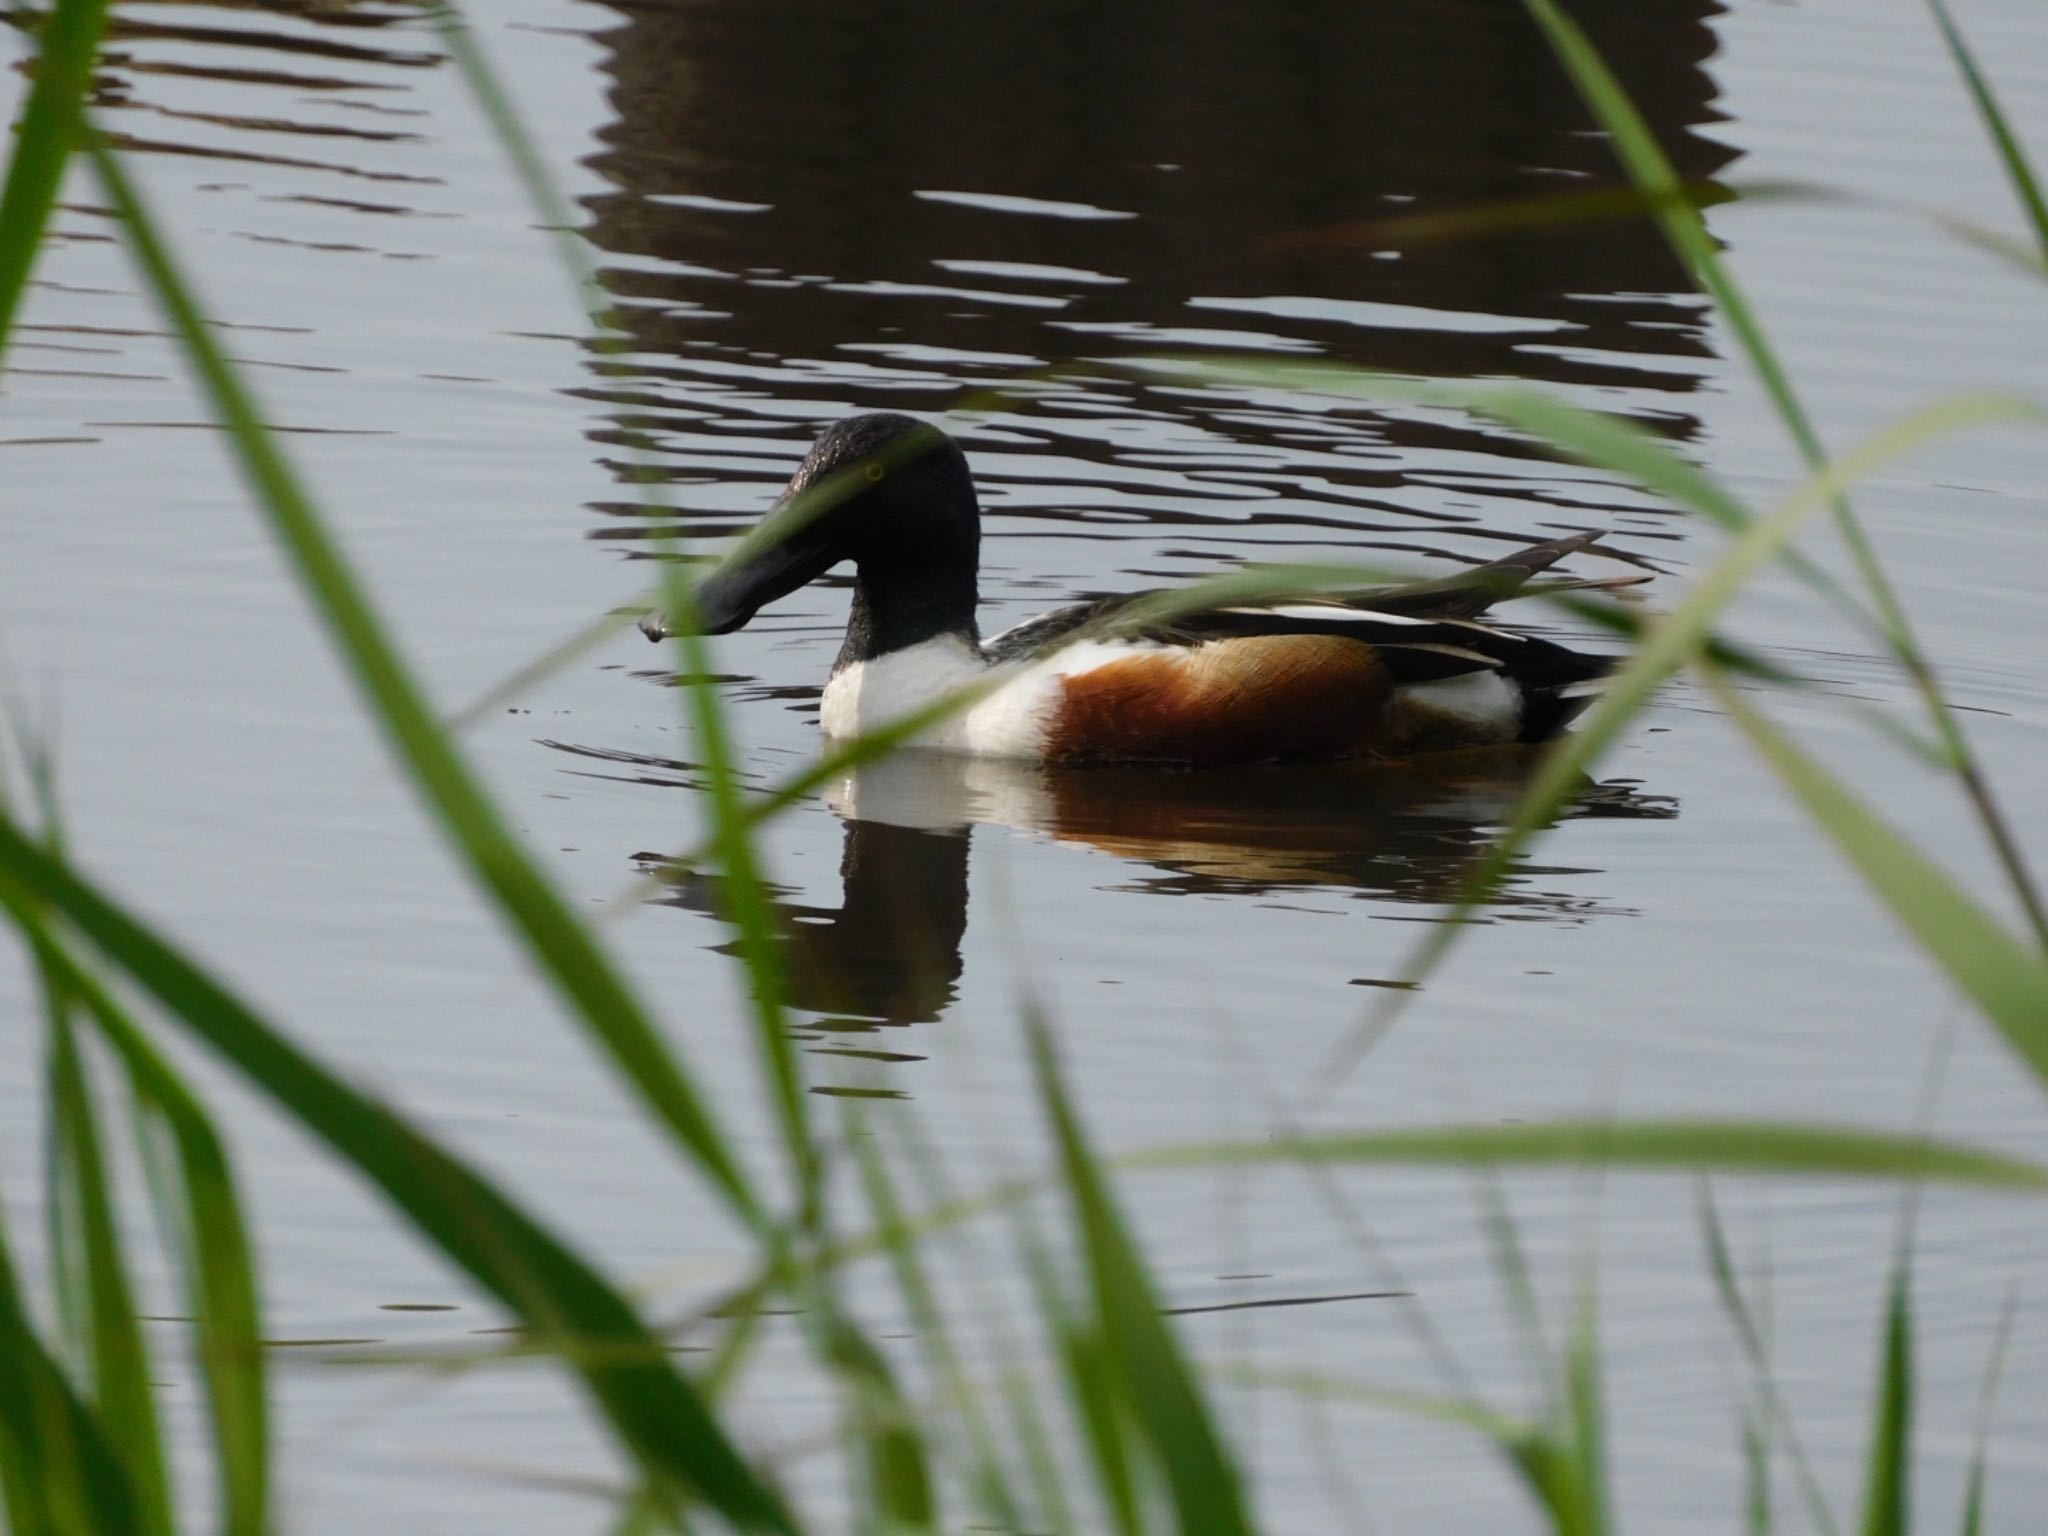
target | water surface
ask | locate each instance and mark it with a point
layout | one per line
(812, 209)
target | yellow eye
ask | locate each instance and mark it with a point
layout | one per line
(873, 472)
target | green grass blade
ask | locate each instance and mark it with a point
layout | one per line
(1665, 647)
(1887, 1509)
(1511, 1269)
(526, 678)
(93, 1288)
(1104, 1421)
(1604, 204)
(1637, 148)
(122, 1388)
(1535, 1451)
(1606, 442)
(65, 1477)
(559, 219)
(1027, 1428)
(1085, 1368)
(643, 1515)
(555, 938)
(1675, 1145)
(2025, 258)
(1756, 1476)
(2011, 153)
(1458, 1412)
(1153, 1377)
(1751, 1147)
(203, 1213)
(2004, 977)
(750, 911)
(1756, 1350)
(43, 140)
(1972, 1523)
(655, 1411)
(1572, 210)
(1587, 1512)
(928, 1319)
(898, 1471)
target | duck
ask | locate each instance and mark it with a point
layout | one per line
(1392, 673)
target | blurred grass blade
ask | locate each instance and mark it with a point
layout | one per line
(537, 671)
(1757, 1147)
(44, 137)
(1085, 1365)
(64, 1476)
(749, 910)
(1665, 647)
(1637, 148)
(1588, 1439)
(655, 1411)
(1104, 1419)
(1511, 1270)
(899, 1476)
(1889, 1461)
(1534, 1450)
(1541, 211)
(122, 1389)
(1994, 1368)
(928, 1321)
(1726, 1146)
(1154, 1380)
(1458, 1412)
(1610, 443)
(459, 37)
(2004, 977)
(2014, 253)
(1756, 1475)
(86, 1244)
(998, 1346)
(831, 764)
(2011, 153)
(1756, 1350)
(555, 938)
(203, 1213)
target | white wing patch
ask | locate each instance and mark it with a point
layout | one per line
(1485, 700)
(1327, 612)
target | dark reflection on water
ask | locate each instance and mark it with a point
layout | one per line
(826, 206)
(890, 952)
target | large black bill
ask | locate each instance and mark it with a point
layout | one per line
(748, 582)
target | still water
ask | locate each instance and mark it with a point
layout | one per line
(809, 209)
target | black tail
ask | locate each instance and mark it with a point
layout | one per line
(1471, 592)
(1556, 683)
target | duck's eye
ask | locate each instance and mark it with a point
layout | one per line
(874, 473)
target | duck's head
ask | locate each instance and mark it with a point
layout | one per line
(890, 493)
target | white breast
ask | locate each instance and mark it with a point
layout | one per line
(1010, 721)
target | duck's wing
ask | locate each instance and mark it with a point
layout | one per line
(1469, 593)
(1048, 631)
(1424, 630)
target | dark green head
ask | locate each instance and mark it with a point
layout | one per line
(890, 493)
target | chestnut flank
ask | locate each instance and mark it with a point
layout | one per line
(1229, 701)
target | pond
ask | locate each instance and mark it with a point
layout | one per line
(983, 216)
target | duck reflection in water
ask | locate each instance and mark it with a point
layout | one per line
(890, 953)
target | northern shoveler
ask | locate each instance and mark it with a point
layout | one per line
(1393, 672)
